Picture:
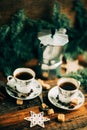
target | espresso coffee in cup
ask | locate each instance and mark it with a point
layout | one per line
(24, 76)
(68, 86)
(68, 89)
(22, 79)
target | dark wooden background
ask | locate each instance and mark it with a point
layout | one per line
(36, 9)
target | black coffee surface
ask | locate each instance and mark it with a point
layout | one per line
(68, 86)
(24, 76)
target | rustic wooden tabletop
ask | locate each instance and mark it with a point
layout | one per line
(12, 114)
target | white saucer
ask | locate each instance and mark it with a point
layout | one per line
(37, 89)
(52, 96)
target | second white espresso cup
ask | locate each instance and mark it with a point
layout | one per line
(68, 89)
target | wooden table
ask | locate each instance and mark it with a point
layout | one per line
(12, 115)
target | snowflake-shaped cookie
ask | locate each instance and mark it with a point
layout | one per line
(37, 119)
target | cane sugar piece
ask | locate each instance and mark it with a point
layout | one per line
(43, 105)
(44, 85)
(50, 111)
(45, 74)
(61, 117)
(74, 102)
(19, 102)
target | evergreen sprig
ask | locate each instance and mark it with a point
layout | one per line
(77, 33)
(59, 20)
(80, 75)
(19, 41)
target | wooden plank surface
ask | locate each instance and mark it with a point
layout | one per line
(12, 115)
(74, 119)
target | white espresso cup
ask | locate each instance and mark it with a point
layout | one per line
(22, 79)
(68, 89)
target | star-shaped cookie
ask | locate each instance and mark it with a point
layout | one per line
(37, 119)
(72, 66)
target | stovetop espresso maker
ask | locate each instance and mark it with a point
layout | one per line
(51, 46)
